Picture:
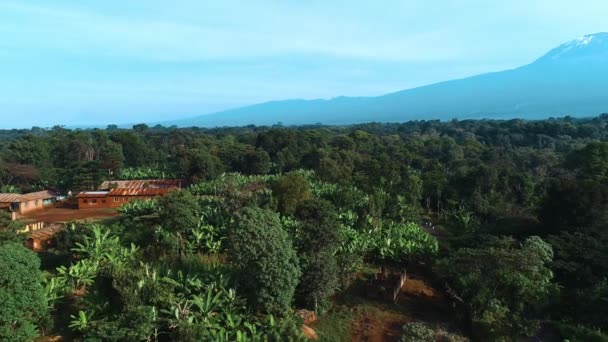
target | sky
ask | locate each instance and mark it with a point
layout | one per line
(92, 62)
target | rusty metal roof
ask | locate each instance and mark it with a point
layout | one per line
(142, 184)
(140, 191)
(39, 195)
(13, 198)
(10, 198)
(47, 233)
(92, 194)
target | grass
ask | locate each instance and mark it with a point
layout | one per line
(335, 326)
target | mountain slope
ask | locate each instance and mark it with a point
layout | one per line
(571, 79)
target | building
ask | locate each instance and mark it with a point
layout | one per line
(114, 194)
(42, 238)
(141, 184)
(20, 205)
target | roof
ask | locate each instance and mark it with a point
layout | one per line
(46, 234)
(92, 194)
(10, 198)
(141, 184)
(140, 191)
(13, 198)
(39, 195)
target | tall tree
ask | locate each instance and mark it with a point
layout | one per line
(318, 240)
(502, 285)
(22, 302)
(267, 263)
(178, 214)
(290, 190)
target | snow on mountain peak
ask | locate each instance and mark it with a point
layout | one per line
(584, 40)
(591, 45)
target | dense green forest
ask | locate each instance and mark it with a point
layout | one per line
(509, 218)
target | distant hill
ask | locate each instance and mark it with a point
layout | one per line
(571, 79)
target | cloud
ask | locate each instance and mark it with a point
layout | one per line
(123, 60)
(81, 31)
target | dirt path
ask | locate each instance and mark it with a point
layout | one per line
(376, 325)
(381, 322)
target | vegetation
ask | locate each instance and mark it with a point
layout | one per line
(506, 219)
(502, 284)
(23, 308)
(265, 260)
(318, 239)
(421, 332)
(140, 208)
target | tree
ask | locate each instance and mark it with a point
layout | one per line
(255, 162)
(178, 213)
(406, 206)
(502, 285)
(112, 157)
(581, 266)
(317, 243)
(199, 165)
(590, 161)
(290, 190)
(320, 279)
(572, 204)
(87, 176)
(10, 172)
(22, 301)
(266, 261)
(319, 226)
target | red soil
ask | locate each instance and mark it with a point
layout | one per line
(418, 301)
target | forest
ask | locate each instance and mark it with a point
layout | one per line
(507, 219)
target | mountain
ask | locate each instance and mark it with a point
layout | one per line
(571, 79)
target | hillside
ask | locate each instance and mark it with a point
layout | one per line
(568, 80)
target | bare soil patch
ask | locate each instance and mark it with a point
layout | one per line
(371, 320)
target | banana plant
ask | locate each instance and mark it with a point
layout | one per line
(82, 322)
(98, 245)
(149, 172)
(208, 305)
(140, 208)
(105, 248)
(80, 275)
(205, 237)
(55, 288)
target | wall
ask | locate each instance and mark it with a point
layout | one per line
(27, 207)
(93, 203)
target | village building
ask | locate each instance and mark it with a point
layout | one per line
(114, 194)
(141, 184)
(41, 239)
(19, 205)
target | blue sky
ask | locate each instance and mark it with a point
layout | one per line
(116, 61)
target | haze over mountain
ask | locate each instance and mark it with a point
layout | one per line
(571, 79)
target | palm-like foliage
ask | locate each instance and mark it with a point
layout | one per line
(55, 288)
(105, 248)
(79, 275)
(393, 242)
(140, 208)
(82, 322)
(149, 172)
(205, 237)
